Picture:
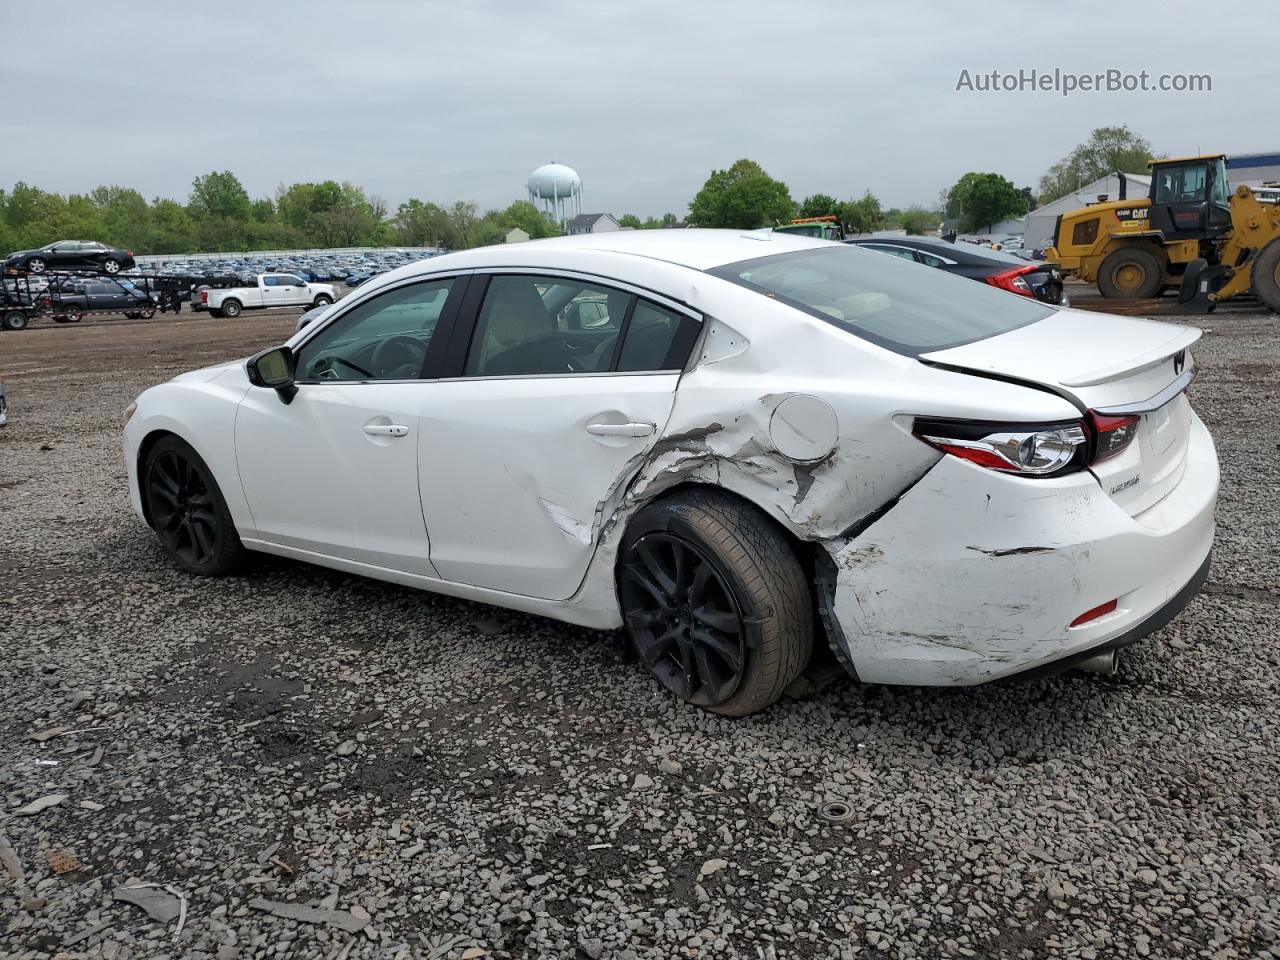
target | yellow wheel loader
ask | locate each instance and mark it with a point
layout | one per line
(1192, 231)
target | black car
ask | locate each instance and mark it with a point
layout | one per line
(70, 255)
(71, 300)
(1031, 279)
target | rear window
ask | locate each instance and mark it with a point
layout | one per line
(906, 307)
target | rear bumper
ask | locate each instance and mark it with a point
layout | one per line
(975, 575)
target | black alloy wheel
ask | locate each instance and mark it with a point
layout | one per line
(684, 619)
(183, 509)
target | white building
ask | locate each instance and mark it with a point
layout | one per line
(593, 223)
(1041, 220)
(515, 235)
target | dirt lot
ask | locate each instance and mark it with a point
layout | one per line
(308, 764)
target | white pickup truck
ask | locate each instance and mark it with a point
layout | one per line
(273, 290)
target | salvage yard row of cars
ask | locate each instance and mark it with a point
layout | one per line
(732, 445)
(67, 280)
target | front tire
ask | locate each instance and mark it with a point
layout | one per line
(231, 308)
(716, 602)
(37, 265)
(1266, 275)
(321, 301)
(188, 512)
(1130, 273)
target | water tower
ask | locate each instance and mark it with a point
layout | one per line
(557, 189)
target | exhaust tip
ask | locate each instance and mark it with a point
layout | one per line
(1105, 663)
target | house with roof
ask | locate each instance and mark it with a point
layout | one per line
(593, 223)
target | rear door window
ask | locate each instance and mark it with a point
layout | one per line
(656, 339)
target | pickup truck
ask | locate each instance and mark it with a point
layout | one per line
(273, 290)
(71, 300)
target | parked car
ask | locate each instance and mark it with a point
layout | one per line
(310, 317)
(270, 291)
(1008, 272)
(70, 255)
(71, 300)
(758, 435)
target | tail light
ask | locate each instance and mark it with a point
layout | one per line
(1029, 449)
(1014, 280)
(1034, 450)
(204, 296)
(1113, 434)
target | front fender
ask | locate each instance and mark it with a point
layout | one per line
(203, 413)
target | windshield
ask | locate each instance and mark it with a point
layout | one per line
(907, 307)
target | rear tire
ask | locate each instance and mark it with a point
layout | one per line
(231, 308)
(15, 320)
(187, 510)
(111, 266)
(1130, 273)
(1266, 275)
(716, 601)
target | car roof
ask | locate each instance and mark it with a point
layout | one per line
(695, 248)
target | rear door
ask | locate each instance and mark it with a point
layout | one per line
(275, 293)
(1116, 367)
(562, 386)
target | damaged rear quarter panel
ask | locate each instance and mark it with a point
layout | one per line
(756, 353)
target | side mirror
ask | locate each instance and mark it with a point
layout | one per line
(274, 368)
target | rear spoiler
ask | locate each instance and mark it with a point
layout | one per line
(1183, 338)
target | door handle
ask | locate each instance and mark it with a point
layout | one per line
(621, 429)
(386, 430)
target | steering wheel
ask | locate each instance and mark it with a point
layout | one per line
(398, 358)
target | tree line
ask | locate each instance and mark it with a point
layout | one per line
(746, 197)
(219, 214)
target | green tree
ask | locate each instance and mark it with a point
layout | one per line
(528, 218)
(631, 220)
(743, 197)
(983, 199)
(1108, 150)
(916, 220)
(462, 224)
(862, 216)
(125, 215)
(819, 205)
(219, 194)
(262, 210)
(419, 224)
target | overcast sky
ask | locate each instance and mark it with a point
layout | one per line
(460, 100)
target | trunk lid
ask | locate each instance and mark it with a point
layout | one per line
(1110, 364)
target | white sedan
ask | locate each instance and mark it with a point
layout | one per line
(729, 443)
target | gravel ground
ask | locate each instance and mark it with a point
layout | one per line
(301, 763)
